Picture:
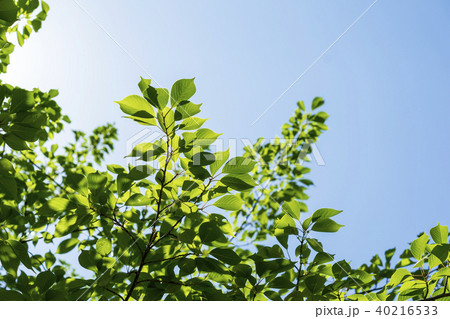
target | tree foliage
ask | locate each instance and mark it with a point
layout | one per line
(185, 222)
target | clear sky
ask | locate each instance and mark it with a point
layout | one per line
(385, 83)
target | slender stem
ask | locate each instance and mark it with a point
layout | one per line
(299, 274)
(436, 297)
(113, 292)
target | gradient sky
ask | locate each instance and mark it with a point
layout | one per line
(385, 83)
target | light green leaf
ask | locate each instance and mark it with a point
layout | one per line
(239, 165)
(58, 204)
(317, 102)
(292, 208)
(137, 106)
(205, 136)
(65, 225)
(399, 276)
(418, 246)
(182, 90)
(192, 123)
(326, 225)
(439, 234)
(103, 246)
(96, 182)
(138, 200)
(220, 158)
(144, 84)
(186, 109)
(239, 182)
(229, 202)
(324, 213)
(157, 97)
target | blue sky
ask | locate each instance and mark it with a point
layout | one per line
(385, 83)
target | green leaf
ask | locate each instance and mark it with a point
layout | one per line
(157, 97)
(205, 136)
(137, 106)
(399, 276)
(103, 246)
(65, 225)
(229, 202)
(192, 123)
(21, 251)
(220, 158)
(116, 169)
(418, 246)
(21, 100)
(182, 90)
(239, 182)
(293, 209)
(341, 269)
(269, 252)
(11, 295)
(285, 226)
(78, 182)
(9, 259)
(8, 11)
(281, 283)
(227, 256)
(438, 255)
(58, 204)
(315, 244)
(326, 225)
(239, 165)
(96, 182)
(67, 245)
(322, 258)
(138, 200)
(123, 183)
(439, 234)
(186, 109)
(144, 84)
(206, 264)
(187, 266)
(317, 102)
(210, 232)
(324, 213)
(271, 267)
(8, 186)
(87, 260)
(45, 280)
(315, 283)
(15, 142)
